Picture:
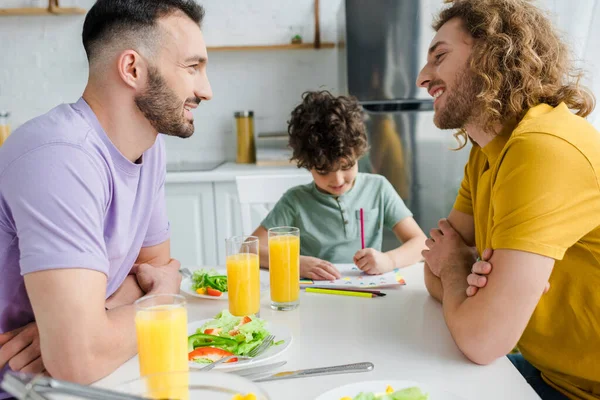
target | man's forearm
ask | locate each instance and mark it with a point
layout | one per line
(121, 321)
(129, 292)
(463, 321)
(453, 279)
(433, 284)
(454, 283)
(109, 342)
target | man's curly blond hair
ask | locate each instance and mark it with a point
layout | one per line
(520, 59)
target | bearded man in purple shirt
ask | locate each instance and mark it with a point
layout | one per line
(83, 224)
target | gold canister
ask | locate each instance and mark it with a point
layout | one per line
(4, 126)
(246, 147)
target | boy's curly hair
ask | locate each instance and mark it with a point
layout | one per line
(327, 132)
(519, 58)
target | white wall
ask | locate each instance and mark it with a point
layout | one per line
(42, 63)
(579, 23)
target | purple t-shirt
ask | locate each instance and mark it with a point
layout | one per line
(70, 199)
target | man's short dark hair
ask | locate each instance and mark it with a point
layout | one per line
(327, 132)
(108, 20)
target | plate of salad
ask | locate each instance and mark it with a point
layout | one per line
(210, 283)
(212, 339)
(387, 390)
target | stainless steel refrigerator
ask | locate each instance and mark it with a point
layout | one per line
(382, 47)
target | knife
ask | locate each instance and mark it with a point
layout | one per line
(303, 373)
(259, 370)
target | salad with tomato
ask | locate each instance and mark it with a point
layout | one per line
(412, 393)
(209, 282)
(226, 335)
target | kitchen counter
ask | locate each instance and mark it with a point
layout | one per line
(228, 171)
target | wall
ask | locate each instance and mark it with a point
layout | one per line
(42, 63)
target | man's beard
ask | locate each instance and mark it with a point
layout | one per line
(162, 108)
(461, 104)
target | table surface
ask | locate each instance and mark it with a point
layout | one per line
(403, 334)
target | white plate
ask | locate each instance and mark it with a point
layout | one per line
(354, 389)
(279, 331)
(211, 385)
(186, 287)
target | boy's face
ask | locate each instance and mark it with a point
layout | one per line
(337, 182)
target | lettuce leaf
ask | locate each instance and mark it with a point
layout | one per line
(249, 335)
(224, 320)
(204, 278)
(412, 393)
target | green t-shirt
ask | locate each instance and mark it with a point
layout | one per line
(330, 226)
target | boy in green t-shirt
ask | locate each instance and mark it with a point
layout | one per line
(327, 136)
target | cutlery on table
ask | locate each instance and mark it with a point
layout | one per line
(258, 370)
(186, 272)
(258, 350)
(304, 373)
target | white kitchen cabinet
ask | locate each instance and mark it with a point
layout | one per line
(191, 211)
(228, 217)
(203, 209)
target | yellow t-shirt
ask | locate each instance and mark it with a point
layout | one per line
(538, 190)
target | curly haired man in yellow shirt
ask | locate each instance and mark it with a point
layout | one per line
(501, 76)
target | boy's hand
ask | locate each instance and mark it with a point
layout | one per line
(317, 269)
(373, 262)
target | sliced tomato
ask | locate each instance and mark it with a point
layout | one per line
(245, 320)
(210, 353)
(212, 331)
(213, 292)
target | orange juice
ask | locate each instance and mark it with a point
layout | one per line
(4, 132)
(162, 347)
(284, 267)
(243, 283)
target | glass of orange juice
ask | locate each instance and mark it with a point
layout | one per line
(243, 275)
(161, 327)
(284, 267)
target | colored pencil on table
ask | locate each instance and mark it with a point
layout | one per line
(375, 292)
(362, 228)
(340, 292)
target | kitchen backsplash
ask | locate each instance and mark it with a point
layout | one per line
(43, 64)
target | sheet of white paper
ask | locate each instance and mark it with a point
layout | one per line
(352, 277)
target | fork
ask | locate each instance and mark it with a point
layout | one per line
(258, 350)
(185, 272)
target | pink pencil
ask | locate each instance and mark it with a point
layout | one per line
(362, 228)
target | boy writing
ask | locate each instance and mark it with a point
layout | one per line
(327, 136)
